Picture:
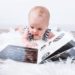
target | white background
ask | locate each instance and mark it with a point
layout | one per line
(15, 12)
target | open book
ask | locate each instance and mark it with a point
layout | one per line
(57, 45)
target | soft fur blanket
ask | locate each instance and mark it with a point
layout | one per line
(10, 67)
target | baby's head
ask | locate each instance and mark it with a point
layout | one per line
(38, 21)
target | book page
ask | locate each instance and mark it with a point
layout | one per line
(54, 44)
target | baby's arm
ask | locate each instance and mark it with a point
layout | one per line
(20, 29)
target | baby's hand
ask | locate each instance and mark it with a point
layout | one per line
(51, 35)
(28, 43)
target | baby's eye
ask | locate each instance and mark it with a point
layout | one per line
(32, 27)
(40, 29)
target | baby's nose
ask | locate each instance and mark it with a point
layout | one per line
(35, 30)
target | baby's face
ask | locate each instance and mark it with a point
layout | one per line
(37, 25)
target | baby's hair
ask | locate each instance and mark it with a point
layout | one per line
(41, 11)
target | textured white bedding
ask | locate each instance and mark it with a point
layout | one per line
(10, 67)
(16, 68)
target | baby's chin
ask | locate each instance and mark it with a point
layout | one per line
(37, 38)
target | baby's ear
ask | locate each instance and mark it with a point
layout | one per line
(50, 35)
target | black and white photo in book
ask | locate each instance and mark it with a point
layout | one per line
(62, 42)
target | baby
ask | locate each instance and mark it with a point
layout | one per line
(38, 26)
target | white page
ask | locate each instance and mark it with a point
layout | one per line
(65, 37)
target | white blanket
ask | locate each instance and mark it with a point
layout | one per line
(16, 68)
(10, 67)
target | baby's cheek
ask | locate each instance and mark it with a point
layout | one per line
(41, 34)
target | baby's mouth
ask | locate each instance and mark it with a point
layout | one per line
(35, 34)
